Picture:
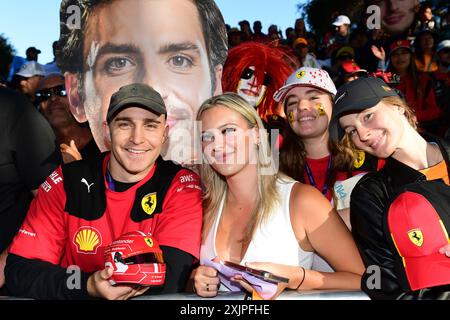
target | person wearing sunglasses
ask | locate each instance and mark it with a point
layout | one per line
(70, 135)
(255, 71)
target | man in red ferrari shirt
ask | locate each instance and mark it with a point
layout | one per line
(83, 206)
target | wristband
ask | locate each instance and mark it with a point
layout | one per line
(303, 279)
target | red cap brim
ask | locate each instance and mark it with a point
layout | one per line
(428, 271)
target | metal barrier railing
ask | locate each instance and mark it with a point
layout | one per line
(286, 295)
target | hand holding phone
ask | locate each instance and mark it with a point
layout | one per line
(262, 274)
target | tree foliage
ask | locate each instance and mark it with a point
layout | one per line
(7, 53)
(320, 13)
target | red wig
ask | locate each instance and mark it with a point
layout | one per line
(274, 61)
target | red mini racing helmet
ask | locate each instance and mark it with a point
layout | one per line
(136, 259)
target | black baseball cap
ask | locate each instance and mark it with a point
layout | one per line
(136, 94)
(33, 50)
(356, 96)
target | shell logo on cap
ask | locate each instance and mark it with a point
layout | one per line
(300, 74)
(149, 202)
(387, 89)
(416, 237)
(87, 240)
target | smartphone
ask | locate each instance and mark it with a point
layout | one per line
(264, 275)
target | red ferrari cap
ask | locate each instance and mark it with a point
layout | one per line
(399, 44)
(350, 67)
(418, 233)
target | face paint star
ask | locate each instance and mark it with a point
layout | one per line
(291, 116)
(320, 109)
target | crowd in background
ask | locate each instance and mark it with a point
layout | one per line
(413, 58)
(411, 53)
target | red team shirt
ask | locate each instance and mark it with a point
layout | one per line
(51, 234)
(319, 169)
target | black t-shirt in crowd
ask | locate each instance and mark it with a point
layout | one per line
(28, 154)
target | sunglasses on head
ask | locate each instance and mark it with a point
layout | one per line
(45, 94)
(248, 73)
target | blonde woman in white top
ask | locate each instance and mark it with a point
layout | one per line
(255, 216)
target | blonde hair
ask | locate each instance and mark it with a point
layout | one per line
(214, 184)
(409, 113)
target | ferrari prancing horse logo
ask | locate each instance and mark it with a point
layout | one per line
(300, 74)
(148, 203)
(360, 157)
(416, 237)
(149, 242)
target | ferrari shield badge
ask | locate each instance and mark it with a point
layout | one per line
(416, 237)
(360, 157)
(300, 74)
(149, 242)
(148, 203)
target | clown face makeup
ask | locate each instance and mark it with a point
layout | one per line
(249, 89)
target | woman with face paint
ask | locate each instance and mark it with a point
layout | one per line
(307, 154)
(370, 116)
(258, 217)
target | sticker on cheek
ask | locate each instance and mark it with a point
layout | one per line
(290, 116)
(320, 109)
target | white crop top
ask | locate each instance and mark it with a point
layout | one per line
(274, 241)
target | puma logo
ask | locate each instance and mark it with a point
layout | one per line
(340, 97)
(87, 184)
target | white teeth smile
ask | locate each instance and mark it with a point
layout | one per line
(306, 118)
(136, 151)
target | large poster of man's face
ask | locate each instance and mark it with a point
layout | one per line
(397, 16)
(178, 47)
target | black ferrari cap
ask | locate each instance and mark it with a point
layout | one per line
(356, 96)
